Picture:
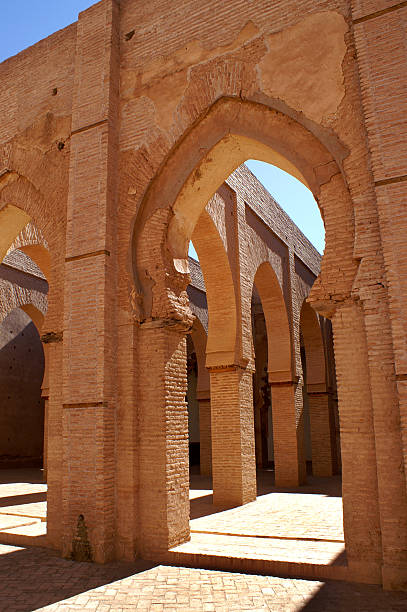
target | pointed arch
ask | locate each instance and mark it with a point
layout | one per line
(199, 340)
(277, 325)
(36, 316)
(220, 292)
(230, 132)
(314, 347)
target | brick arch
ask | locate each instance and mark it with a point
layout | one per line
(30, 298)
(277, 325)
(220, 292)
(314, 346)
(230, 132)
(31, 224)
(19, 196)
(32, 301)
(199, 340)
(35, 314)
(32, 242)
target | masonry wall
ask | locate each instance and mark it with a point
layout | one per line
(113, 136)
(21, 405)
(21, 362)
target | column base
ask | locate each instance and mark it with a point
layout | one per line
(365, 572)
(394, 578)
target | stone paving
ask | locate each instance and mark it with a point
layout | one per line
(304, 524)
(23, 503)
(36, 579)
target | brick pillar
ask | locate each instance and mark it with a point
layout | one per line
(322, 431)
(288, 432)
(359, 471)
(205, 437)
(53, 363)
(45, 397)
(163, 458)
(233, 452)
(90, 380)
(45, 443)
(126, 446)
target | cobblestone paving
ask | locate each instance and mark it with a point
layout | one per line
(36, 579)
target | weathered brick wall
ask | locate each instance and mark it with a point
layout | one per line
(21, 406)
(155, 106)
(22, 288)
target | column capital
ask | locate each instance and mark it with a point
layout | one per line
(231, 367)
(183, 326)
(278, 379)
(317, 389)
(203, 396)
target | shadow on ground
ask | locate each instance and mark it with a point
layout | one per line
(347, 597)
(35, 578)
(19, 500)
(32, 578)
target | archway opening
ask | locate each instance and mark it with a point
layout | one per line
(273, 339)
(21, 404)
(23, 382)
(228, 284)
(320, 394)
(263, 415)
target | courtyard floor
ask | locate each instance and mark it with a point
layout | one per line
(302, 524)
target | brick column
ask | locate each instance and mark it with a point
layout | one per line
(53, 363)
(162, 440)
(288, 432)
(381, 58)
(89, 393)
(45, 397)
(322, 430)
(233, 452)
(205, 436)
(361, 519)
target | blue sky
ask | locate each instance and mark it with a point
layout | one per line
(297, 201)
(25, 22)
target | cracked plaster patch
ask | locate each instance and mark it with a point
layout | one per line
(303, 66)
(165, 79)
